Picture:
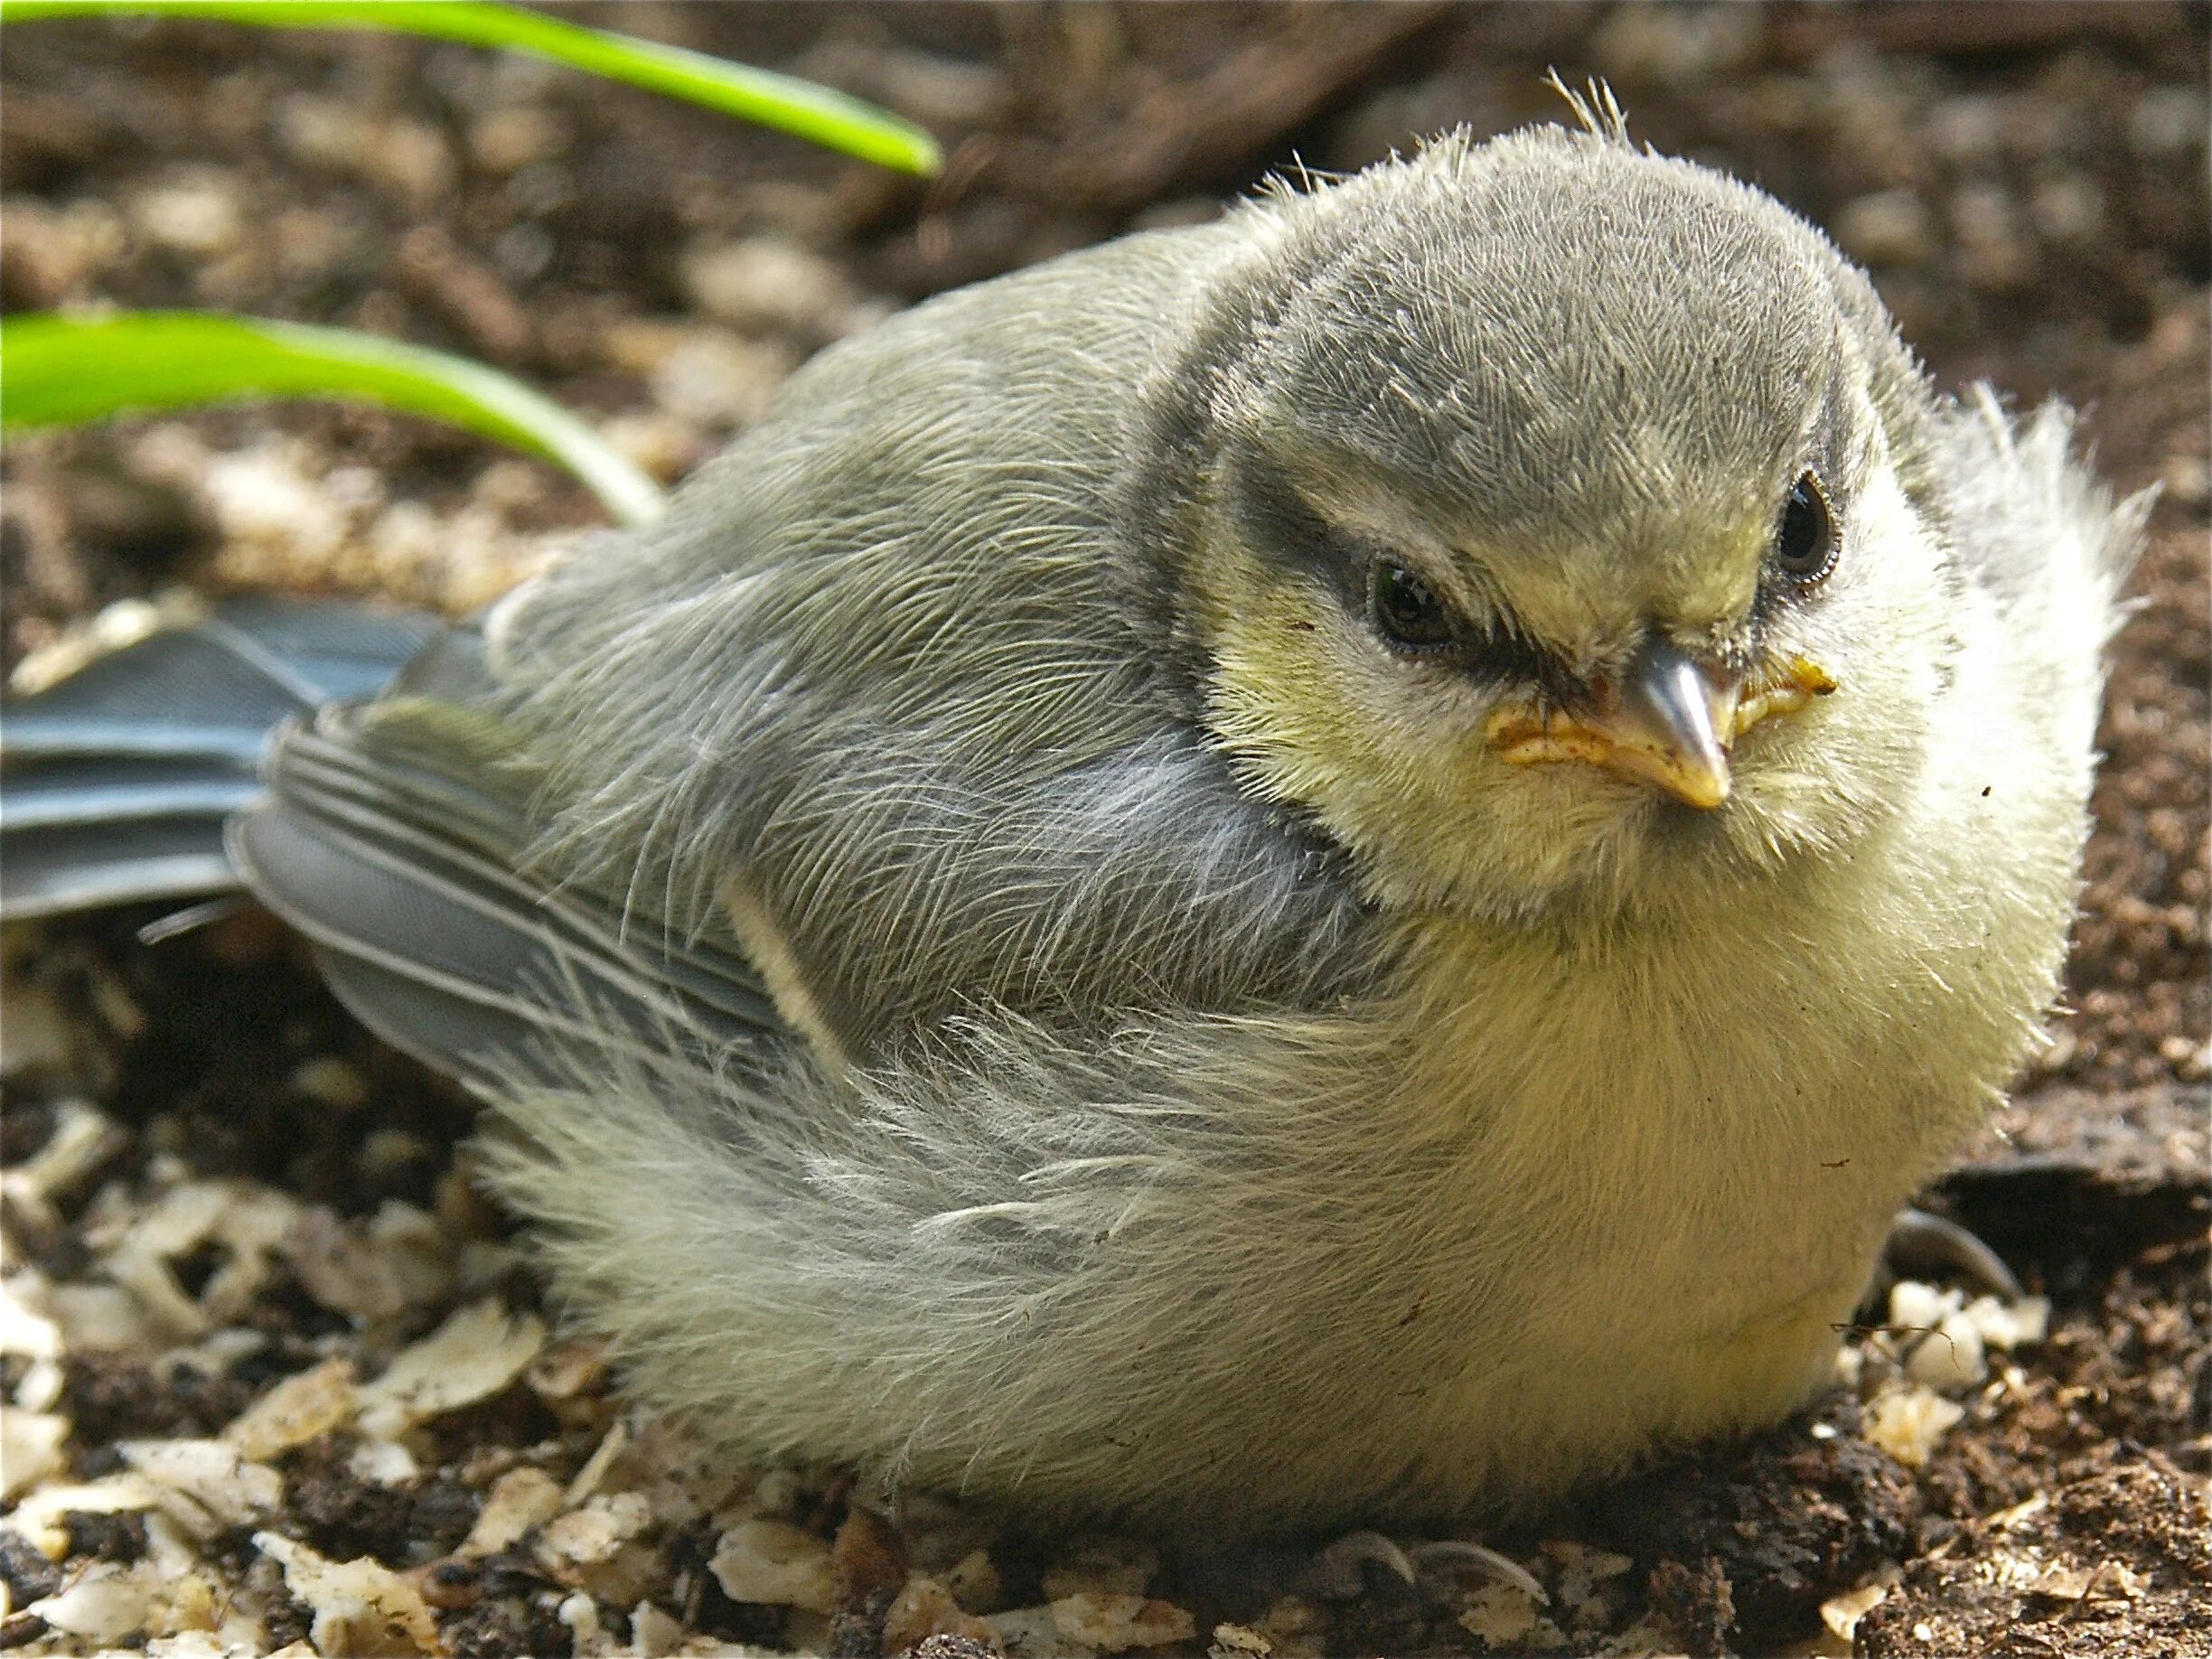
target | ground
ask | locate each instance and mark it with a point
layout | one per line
(217, 1186)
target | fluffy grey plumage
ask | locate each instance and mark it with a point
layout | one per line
(1015, 954)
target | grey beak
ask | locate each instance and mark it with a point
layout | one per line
(1667, 725)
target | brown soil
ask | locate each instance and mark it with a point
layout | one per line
(2026, 183)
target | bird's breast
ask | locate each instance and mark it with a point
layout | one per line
(1673, 1160)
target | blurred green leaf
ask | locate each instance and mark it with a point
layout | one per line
(65, 370)
(782, 101)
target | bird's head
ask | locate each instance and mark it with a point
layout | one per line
(1550, 529)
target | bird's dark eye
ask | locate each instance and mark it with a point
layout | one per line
(1406, 611)
(1806, 544)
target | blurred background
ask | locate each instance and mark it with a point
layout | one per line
(2026, 182)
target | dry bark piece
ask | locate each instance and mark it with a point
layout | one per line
(473, 1356)
(519, 1500)
(360, 1607)
(596, 1547)
(205, 1484)
(1114, 1623)
(867, 1564)
(1908, 1422)
(1103, 1567)
(1499, 1614)
(301, 1408)
(1842, 1613)
(924, 1609)
(775, 1564)
(106, 1603)
(31, 1445)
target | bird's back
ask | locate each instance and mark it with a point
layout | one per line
(875, 710)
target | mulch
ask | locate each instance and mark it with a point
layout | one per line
(216, 1184)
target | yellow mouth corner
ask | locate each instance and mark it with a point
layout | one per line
(1672, 728)
(1803, 680)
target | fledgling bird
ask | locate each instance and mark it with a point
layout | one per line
(1331, 868)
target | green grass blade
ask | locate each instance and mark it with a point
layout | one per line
(62, 370)
(782, 101)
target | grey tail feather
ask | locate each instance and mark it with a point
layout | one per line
(405, 862)
(116, 782)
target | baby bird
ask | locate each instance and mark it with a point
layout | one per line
(1331, 868)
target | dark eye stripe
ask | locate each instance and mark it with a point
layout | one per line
(1508, 659)
(1279, 522)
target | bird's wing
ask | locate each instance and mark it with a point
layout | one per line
(115, 781)
(889, 689)
(394, 834)
(880, 706)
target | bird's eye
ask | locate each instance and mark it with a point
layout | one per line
(1806, 544)
(1406, 611)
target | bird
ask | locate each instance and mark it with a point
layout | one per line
(1329, 869)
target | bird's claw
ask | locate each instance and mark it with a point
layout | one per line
(1921, 1244)
(1338, 1568)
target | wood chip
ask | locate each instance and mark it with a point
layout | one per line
(472, 1356)
(301, 1408)
(360, 1607)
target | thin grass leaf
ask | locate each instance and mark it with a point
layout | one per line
(781, 101)
(65, 370)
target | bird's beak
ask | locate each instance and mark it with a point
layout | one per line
(1670, 723)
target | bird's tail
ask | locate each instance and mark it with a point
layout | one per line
(116, 781)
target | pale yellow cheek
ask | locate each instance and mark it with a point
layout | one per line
(1394, 764)
(1315, 716)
